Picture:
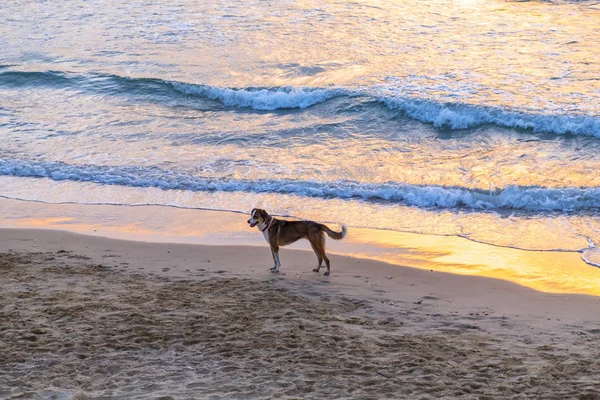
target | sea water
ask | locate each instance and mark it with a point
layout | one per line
(479, 119)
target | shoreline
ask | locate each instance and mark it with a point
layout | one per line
(540, 270)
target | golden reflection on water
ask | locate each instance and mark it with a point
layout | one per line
(555, 272)
(507, 46)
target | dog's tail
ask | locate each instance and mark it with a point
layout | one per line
(335, 235)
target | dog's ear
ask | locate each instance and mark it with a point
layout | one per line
(263, 214)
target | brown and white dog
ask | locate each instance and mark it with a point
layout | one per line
(280, 232)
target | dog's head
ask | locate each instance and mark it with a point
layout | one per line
(257, 216)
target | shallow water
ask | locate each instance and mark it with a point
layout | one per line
(461, 118)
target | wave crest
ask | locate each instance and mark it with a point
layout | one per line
(442, 115)
(463, 116)
(266, 99)
(514, 197)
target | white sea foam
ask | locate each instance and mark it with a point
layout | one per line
(463, 116)
(261, 98)
(513, 197)
(591, 256)
(441, 115)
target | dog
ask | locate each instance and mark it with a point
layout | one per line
(278, 233)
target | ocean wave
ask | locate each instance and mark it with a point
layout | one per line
(464, 116)
(442, 115)
(15, 79)
(257, 98)
(266, 99)
(513, 197)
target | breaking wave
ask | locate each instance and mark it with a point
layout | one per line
(512, 197)
(262, 99)
(442, 115)
(462, 116)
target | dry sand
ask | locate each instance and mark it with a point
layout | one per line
(87, 317)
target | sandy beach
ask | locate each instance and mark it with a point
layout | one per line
(458, 141)
(88, 317)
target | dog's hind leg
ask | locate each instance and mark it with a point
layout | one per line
(318, 245)
(326, 263)
(324, 256)
(319, 258)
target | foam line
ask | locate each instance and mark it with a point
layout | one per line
(512, 197)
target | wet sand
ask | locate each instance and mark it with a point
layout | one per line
(547, 271)
(88, 317)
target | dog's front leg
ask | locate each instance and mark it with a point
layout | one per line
(275, 252)
(277, 263)
(272, 269)
(275, 255)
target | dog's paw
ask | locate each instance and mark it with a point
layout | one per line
(326, 273)
(275, 271)
(272, 269)
(315, 269)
